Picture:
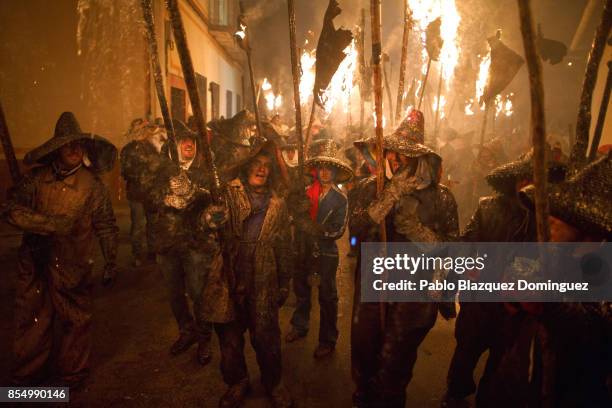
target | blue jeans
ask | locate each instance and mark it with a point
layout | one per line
(184, 271)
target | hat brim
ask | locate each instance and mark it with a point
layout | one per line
(232, 171)
(101, 153)
(571, 206)
(344, 172)
(503, 178)
(407, 148)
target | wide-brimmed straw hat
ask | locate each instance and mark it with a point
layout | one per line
(100, 152)
(584, 201)
(329, 155)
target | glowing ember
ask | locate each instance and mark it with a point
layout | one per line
(503, 105)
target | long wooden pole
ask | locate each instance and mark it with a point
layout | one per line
(601, 117)
(157, 75)
(310, 122)
(362, 72)
(538, 119)
(483, 129)
(583, 125)
(182, 48)
(399, 104)
(378, 98)
(437, 118)
(388, 89)
(295, 70)
(424, 83)
(9, 151)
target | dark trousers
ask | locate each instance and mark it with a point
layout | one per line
(475, 331)
(328, 300)
(264, 332)
(184, 272)
(140, 233)
(382, 360)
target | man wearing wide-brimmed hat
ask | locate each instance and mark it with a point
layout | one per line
(140, 159)
(328, 213)
(232, 139)
(257, 261)
(61, 206)
(186, 256)
(480, 326)
(415, 207)
(570, 361)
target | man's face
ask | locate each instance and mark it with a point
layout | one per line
(188, 148)
(560, 231)
(326, 175)
(71, 154)
(396, 160)
(259, 170)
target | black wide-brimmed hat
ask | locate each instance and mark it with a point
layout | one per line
(503, 178)
(585, 200)
(328, 154)
(181, 131)
(100, 152)
(234, 130)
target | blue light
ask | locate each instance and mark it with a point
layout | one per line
(353, 241)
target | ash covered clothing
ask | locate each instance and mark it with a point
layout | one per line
(61, 217)
(184, 272)
(187, 252)
(141, 233)
(382, 361)
(500, 218)
(140, 161)
(487, 326)
(331, 217)
(576, 361)
(258, 238)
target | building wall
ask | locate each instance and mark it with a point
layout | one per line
(101, 75)
(209, 59)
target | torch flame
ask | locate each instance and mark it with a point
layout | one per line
(483, 76)
(442, 105)
(504, 106)
(307, 79)
(469, 104)
(426, 11)
(339, 88)
(266, 86)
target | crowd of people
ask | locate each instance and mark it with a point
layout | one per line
(231, 253)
